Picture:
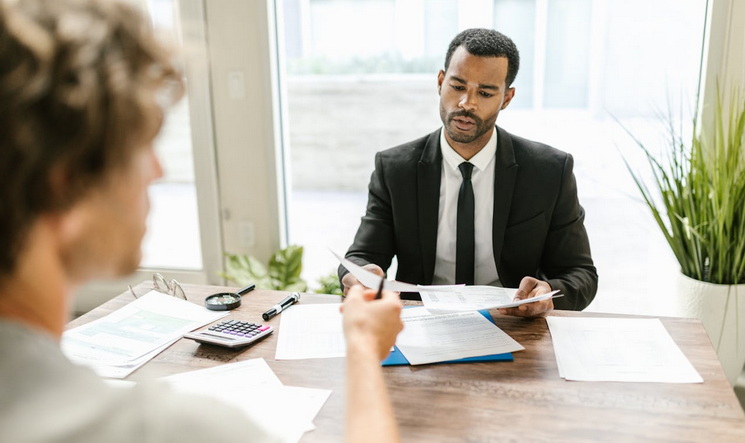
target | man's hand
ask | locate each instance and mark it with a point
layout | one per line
(370, 330)
(531, 287)
(370, 323)
(350, 280)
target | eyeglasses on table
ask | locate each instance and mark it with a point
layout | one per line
(164, 286)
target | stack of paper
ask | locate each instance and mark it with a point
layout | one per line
(117, 344)
(253, 387)
(311, 331)
(618, 349)
(315, 331)
(432, 338)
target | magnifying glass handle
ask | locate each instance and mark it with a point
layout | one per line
(247, 289)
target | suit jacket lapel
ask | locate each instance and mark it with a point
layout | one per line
(505, 173)
(428, 193)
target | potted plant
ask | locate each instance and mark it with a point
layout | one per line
(696, 194)
(281, 273)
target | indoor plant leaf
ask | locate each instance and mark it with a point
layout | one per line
(244, 269)
(697, 193)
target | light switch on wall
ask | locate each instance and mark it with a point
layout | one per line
(246, 235)
(236, 85)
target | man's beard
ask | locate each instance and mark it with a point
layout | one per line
(459, 137)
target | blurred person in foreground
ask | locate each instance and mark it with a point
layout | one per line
(84, 86)
(526, 226)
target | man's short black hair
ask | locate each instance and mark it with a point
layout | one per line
(487, 43)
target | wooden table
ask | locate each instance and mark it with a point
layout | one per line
(520, 401)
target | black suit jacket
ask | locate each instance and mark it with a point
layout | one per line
(538, 225)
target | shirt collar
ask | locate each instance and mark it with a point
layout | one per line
(480, 160)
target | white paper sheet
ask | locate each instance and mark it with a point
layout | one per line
(311, 331)
(253, 387)
(618, 349)
(446, 298)
(121, 369)
(431, 338)
(119, 343)
(476, 298)
(247, 374)
(371, 280)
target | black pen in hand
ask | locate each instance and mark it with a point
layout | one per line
(380, 289)
(281, 306)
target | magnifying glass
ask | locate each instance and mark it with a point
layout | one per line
(225, 301)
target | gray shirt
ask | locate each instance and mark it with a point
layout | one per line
(46, 398)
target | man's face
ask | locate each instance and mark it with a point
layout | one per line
(104, 231)
(472, 92)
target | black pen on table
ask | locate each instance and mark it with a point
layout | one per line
(281, 306)
(380, 289)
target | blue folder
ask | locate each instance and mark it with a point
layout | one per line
(397, 357)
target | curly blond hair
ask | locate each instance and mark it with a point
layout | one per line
(83, 83)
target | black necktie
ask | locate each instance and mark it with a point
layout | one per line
(464, 252)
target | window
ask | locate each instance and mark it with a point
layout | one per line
(517, 19)
(361, 77)
(568, 51)
(172, 239)
(182, 223)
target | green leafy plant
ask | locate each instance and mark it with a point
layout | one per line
(329, 284)
(281, 273)
(699, 198)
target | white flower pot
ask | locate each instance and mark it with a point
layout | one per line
(721, 309)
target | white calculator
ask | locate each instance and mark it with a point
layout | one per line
(231, 333)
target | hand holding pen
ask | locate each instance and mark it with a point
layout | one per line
(372, 319)
(350, 280)
(380, 288)
(377, 295)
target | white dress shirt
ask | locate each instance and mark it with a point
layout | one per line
(483, 192)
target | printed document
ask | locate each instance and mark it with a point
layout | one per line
(253, 387)
(431, 338)
(475, 298)
(446, 298)
(311, 331)
(618, 349)
(117, 344)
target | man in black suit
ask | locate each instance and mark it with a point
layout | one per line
(526, 223)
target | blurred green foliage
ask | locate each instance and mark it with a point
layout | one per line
(282, 273)
(329, 284)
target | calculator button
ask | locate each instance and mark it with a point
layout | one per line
(238, 328)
